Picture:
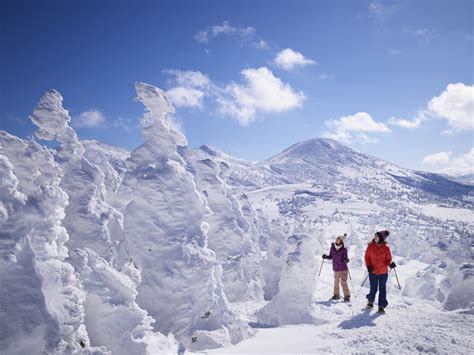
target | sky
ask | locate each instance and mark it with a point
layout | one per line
(393, 79)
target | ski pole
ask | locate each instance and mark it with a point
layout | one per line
(398, 282)
(319, 274)
(322, 263)
(362, 285)
(352, 284)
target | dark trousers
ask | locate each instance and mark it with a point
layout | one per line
(378, 282)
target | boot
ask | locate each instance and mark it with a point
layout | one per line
(335, 297)
(347, 298)
(381, 310)
(370, 304)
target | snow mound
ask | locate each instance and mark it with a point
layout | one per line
(295, 300)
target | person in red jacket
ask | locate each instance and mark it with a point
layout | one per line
(378, 259)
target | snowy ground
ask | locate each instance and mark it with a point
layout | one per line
(410, 326)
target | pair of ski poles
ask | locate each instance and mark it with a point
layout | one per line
(395, 271)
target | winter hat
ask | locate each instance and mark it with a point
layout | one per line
(383, 235)
(342, 238)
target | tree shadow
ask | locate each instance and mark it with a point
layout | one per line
(363, 319)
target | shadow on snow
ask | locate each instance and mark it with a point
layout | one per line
(363, 319)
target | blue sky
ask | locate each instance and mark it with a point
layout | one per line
(390, 78)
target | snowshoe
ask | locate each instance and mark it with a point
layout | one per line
(370, 304)
(335, 298)
(347, 298)
(381, 310)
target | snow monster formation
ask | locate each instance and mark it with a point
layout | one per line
(41, 298)
(228, 235)
(294, 302)
(111, 315)
(165, 231)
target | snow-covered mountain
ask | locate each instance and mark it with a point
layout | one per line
(328, 163)
(167, 248)
(467, 179)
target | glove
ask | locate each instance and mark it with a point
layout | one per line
(392, 265)
(325, 256)
(346, 260)
(370, 269)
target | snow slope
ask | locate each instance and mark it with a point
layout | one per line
(410, 326)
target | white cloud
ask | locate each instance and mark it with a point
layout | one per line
(421, 117)
(456, 105)
(261, 44)
(460, 165)
(225, 29)
(381, 10)
(123, 123)
(355, 128)
(394, 51)
(89, 119)
(186, 97)
(288, 59)
(246, 34)
(423, 33)
(440, 158)
(325, 76)
(190, 88)
(189, 78)
(261, 92)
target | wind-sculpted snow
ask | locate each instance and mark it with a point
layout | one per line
(99, 300)
(40, 296)
(228, 235)
(165, 228)
(89, 218)
(272, 242)
(111, 160)
(112, 316)
(295, 300)
(53, 123)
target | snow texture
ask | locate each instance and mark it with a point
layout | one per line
(228, 235)
(40, 295)
(294, 301)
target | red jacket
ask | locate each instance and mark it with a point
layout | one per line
(378, 257)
